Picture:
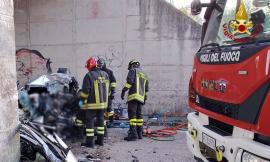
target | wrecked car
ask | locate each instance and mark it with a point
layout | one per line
(51, 100)
(49, 106)
(39, 145)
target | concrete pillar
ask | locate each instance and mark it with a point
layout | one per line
(9, 136)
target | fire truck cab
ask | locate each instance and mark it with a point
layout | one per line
(229, 87)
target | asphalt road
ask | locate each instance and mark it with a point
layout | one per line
(145, 150)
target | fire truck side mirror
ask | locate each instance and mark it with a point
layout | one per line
(196, 7)
(261, 3)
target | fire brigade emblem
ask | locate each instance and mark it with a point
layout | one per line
(243, 25)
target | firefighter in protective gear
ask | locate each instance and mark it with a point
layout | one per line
(102, 64)
(94, 95)
(137, 86)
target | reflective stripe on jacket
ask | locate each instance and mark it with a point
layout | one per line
(95, 90)
(111, 79)
(137, 83)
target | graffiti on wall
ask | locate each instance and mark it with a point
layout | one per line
(29, 65)
(94, 9)
(112, 56)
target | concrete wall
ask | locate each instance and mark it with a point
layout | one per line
(152, 31)
(9, 137)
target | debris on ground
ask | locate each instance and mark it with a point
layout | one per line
(145, 150)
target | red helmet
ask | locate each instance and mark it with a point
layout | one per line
(91, 63)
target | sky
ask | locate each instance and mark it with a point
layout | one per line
(180, 4)
(183, 3)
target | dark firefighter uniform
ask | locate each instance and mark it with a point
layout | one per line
(95, 92)
(112, 92)
(102, 64)
(137, 86)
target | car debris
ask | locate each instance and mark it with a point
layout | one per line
(39, 145)
(51, 100)
(49, 106)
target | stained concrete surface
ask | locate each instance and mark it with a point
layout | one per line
(9, 137)
(145, 150)
(152, 31)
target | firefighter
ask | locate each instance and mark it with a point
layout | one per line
(137, 86)
(102, 64)
(94, 99)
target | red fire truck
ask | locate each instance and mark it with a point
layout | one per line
(229, 88)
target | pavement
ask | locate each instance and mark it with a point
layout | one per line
(145, 150)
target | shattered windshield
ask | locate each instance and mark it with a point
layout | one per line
(241, 21)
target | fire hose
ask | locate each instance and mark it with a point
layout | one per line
(165, 134)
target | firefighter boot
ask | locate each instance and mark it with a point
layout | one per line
(140, 132)
(132, 134)
(100, 140)
(89, 142)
